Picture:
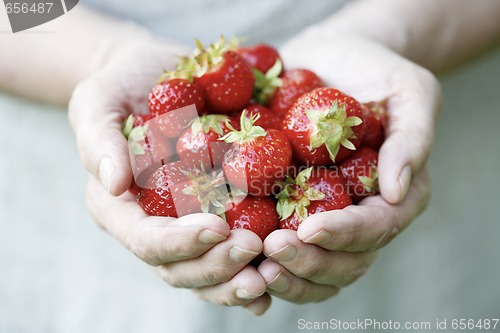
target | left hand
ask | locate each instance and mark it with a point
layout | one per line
(332, 249)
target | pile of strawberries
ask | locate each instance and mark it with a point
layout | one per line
(234, 133)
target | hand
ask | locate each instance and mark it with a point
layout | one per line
(101, 103)
(332, 249)
(197, 251)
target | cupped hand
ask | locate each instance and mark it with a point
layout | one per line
(332, 249)
(101, 103)
(196, 251)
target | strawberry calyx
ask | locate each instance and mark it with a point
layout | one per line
(211, 191)
(203, 59)
(179, 73)
(207, 123)
(333, 129)
(248, 132)
(135, 135)
(296, 195)
(128, 125)
(266, 84)
(370, 182)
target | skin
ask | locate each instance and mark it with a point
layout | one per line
(370, 49)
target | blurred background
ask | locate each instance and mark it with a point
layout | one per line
(60, 273)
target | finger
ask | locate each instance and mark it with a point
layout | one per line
(285, 285)
(409, 134)
(244, 288)
(96, 113)
(218, 265)
(155, 240)
(260, 305)
(370, 225)
(314, 263)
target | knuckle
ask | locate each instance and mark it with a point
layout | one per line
(227, 299)
(386, 237)
(309, 270)
(182, 250)
(332, 291)
(301, 295)
(352, 276)
(217, 275)
(141, 250)
(230, 298)
(171, 279)
(350, 238)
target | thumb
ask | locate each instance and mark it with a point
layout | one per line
(96, 115)
(409, 136)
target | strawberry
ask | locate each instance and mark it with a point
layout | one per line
(167, 100)
(314, 190)
(148, 148)
(177, 189)
(200, 143)
(257, 158)
(324, 126)
(260, 57)
(361, 172)
(375, 117)
(255, 214)
(294, 83)
(141, 119)
(267, 120)
(225, 77)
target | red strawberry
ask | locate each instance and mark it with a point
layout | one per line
(224, 75)
(314, 190)
(257, 158)
(141, 119)
(295, 82)
(268, 119)
(255, 214)
(167, 100)
(361, 172)
(148, 148)
(200, 143)
(260, 57)
(324, 126)
(134, 188)
(177, 189)
(375, 117)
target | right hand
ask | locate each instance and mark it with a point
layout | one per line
(197, 251)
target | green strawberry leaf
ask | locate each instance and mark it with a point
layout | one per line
(128, 126)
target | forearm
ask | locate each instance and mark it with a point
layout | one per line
(436, 34)
(47, 66)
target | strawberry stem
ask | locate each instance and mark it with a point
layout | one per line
(296, 196)
(249, 131)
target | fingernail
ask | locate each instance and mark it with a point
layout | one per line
(404, 181)
(210, 237)
(243, 294)
(321, 236)
(239, 255)
(287, 253)
(256, 311)
(106, 169)
(279, 284)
